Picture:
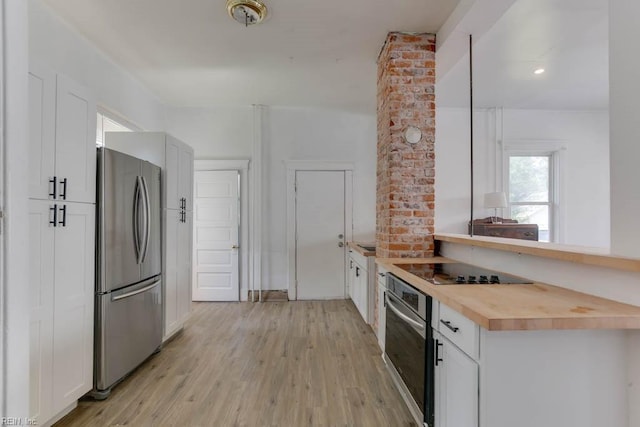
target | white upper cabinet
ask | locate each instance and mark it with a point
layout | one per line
(62, 134)
(42, 127)
(185, 179)
(75, 142)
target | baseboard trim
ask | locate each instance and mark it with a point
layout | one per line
(271, 295)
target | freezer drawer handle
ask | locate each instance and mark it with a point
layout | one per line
(136, 292)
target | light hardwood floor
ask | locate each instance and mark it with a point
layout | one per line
(279, 364)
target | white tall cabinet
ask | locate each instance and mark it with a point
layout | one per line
(62, 168)
(176, 160)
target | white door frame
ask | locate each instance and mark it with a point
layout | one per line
(309, 165)
(242, 166)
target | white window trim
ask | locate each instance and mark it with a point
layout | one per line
(557, 151)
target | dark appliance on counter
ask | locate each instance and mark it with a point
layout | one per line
(409, 346)
(128, 327)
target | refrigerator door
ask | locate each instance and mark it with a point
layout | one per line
(129, 330)
(119, 199)
(152, 257)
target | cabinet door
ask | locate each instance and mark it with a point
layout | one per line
(456, 388)
(185, 179)
(171, 320)
(171, 173)
(361, 291)
(351, 274)
(41, 249)
(74, 253)
(185, 232)
(75, 154)
(381, 314)
(42, 128)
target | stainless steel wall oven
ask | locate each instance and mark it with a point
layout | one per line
(409, 346)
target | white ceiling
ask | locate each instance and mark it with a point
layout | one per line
(306, 53)
(568, 38)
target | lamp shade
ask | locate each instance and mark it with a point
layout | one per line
(495, 200)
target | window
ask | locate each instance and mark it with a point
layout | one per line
(111, 124)
(530, 191)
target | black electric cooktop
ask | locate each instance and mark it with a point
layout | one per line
(460, 274)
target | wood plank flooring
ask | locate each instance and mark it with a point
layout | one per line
(282, 364)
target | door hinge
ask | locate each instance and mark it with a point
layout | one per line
(1, 222)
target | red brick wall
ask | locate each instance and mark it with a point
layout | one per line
(405, 172)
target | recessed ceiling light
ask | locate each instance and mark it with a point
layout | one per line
(539, 71)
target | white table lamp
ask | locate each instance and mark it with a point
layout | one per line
(495, 200)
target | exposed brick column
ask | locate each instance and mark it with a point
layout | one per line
(405, 172)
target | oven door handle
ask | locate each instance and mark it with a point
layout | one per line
(417, 325)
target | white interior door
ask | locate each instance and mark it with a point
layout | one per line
(320, 230)
(216, 248)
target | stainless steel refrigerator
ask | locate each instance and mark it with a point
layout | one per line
(129, 267)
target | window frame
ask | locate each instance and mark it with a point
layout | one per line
(556, 151)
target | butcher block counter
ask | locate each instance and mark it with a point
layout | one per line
(535, 306)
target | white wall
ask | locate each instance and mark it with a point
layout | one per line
(14, 385)
(53, 43)
(214, 133)
(585, 192)
(624, 69)
(316, 134)
(288, 133)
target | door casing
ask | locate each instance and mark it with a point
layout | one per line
(292, 166)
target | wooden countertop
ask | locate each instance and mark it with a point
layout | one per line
(584, 255)
(362, 251)
(525, 307)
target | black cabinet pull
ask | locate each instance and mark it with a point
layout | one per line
(357, 271)
(384, 299)
(448, 325)
(184, 216)
(381, 274)
(53, 181)
(63, 209)
(63, 192)
(438, 359)
(53, 209)
(350, 264)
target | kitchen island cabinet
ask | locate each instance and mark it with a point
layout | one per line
(527, 354)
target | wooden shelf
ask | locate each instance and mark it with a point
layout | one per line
(577, 254)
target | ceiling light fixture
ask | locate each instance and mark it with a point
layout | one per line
(539, 71)
(247, 12)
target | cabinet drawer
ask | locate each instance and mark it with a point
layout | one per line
(358, 258)
(462, 331)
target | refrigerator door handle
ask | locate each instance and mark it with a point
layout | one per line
(155, 283)
(136, 220)
(147, 219)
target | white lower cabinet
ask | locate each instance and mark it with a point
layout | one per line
(381, 323)
(456, 386)
(362, 285)
(534, 378)
(178, 269)
(62, 265)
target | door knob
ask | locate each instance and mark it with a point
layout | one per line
(340, 236)
(340, 244)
